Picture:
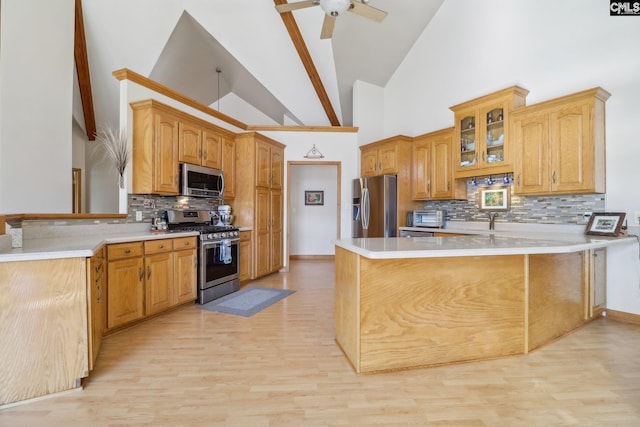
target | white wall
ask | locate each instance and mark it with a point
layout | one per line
(36, 87)
(552, 48)
(313, 228)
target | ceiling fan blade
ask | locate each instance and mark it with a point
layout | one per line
(327, 27)
(367, 11)
(288, 7)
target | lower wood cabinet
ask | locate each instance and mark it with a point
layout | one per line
(596, 272)
(146, 278)
(244, 249)
(125, 283)
(185, 269)
(97, 299)
(158, 264)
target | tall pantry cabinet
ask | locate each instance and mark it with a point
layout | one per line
(258, 202)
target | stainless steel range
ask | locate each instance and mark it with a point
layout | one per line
(218, 261)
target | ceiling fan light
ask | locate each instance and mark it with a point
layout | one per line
(335, 7)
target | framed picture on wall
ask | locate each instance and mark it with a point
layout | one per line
(605, 223)
(314, 197)
(494, 198)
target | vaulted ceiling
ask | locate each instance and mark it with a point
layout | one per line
(229, 53)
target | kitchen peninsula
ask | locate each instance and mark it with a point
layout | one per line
(53, 297)
(424, 301)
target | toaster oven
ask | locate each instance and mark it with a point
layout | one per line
(432, 218)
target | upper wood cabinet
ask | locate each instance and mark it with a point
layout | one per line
(385, 156)
(560, 145)
(190, 143)
(269, 168)
(155, 149)
(164, 137)
(482, 130)
(392, 156)
(229, 167)
(432, 168)
(199, 144)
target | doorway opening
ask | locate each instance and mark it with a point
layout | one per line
(313, 226)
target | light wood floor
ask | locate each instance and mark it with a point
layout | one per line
(282, 367)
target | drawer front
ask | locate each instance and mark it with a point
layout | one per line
(158, 246)
(124, 250)
(245, 235)
(184, 243)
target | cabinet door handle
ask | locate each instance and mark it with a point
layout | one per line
(428, 187)
(140, 274)
(483, 156)
(148, 271)
(448, 185)
(554, 177)
(518, 180)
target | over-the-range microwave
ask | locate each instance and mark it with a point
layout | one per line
(200, 181)
(431, 218)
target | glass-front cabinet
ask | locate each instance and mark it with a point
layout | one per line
(481, 132)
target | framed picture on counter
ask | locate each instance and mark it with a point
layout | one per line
(494, 198)
(605, 223)
(313, 198)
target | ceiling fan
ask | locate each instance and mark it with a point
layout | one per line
(333, 9)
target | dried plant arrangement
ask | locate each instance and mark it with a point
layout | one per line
(115, 148)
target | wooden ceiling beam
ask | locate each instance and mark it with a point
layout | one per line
(82, 69)
(305, 57)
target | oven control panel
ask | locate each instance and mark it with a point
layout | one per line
(221, 235)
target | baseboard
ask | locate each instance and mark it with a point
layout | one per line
(313, 257)
(622, 316)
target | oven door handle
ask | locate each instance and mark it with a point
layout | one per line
(211, 243)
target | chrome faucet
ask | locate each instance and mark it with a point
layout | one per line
(492, 220)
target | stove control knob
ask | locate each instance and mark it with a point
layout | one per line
(209, 236)
(235, 233)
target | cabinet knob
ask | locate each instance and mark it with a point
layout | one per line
(127, 251)
(161, 246)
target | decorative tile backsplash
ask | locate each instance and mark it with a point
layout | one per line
(564, 209)
(153, 206)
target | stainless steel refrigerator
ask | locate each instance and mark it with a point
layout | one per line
(375, 207)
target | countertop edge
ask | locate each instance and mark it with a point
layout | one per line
(561, 247)
(79, 247)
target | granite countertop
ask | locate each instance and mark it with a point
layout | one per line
(477, 243)
(79, 246)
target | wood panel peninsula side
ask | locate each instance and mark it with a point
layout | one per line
(417, 302)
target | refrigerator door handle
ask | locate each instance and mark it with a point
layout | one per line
(365, 208)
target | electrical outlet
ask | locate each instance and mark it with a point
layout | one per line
(636, 218)
(138, 215)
